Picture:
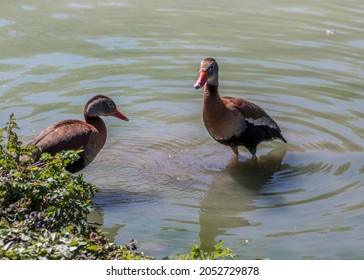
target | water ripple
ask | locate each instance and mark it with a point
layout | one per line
(161, 175)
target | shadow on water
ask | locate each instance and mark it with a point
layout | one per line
(232, 192)
(97, 218)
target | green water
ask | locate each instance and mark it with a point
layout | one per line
(163, 180)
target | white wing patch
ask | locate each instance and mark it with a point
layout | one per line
(263, 121)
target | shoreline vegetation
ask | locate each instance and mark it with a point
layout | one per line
(43, 210)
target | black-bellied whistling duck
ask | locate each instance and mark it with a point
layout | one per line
(88, 135)
(233, 121)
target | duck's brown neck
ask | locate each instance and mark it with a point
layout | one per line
(211, 90)
(100, 126)
(214, 106)
(212, 96)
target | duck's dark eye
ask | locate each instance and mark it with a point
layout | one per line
(211, 67)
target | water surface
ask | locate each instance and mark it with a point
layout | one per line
(163, 180)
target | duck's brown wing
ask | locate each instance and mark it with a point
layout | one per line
(64, 135)
(250, 111)
(254, 115)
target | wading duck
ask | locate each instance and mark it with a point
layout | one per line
(233, 121)
(88, 135)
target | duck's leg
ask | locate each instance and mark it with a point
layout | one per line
(253, 151)
(235, 151)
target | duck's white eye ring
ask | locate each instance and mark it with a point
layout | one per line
(211, 67)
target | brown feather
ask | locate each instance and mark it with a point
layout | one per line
(63, 135)
(250, 111)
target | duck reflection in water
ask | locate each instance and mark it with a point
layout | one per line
(232, 192)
